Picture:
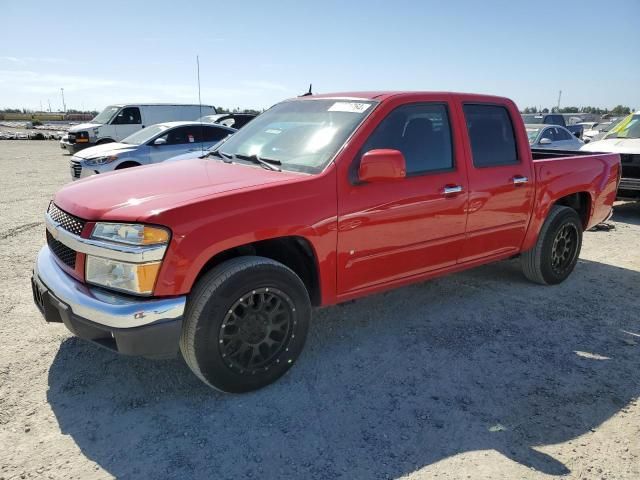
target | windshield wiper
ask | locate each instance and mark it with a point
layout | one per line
(268, 163)
(216, 153)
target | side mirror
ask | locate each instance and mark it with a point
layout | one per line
(545, 141)
(382, 165)
(160, 141)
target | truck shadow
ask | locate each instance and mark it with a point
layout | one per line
(627, 212)
(388, 385)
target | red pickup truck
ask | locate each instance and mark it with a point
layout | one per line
(319, 200)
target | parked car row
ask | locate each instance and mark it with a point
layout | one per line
(119, 136)
(39, 135)
(116, 122)
(150, 145)
(552, 119)
(553, 137)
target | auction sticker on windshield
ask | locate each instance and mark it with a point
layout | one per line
(351, 107)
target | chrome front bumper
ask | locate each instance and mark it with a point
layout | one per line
(99, 306)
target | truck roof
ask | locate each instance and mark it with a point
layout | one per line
(384, 95)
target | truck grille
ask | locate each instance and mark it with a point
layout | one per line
(60, 250)
(76, 168)
(630, 165)
(70, 223)
(630, 184)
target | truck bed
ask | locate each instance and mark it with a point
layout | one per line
(544, 154)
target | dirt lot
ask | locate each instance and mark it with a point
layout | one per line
(479, 375)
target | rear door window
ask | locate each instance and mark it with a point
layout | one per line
(491, 135)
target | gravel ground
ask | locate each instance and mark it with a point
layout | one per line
(478, 375)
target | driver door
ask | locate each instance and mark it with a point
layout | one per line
(388, 231)
(126, 122)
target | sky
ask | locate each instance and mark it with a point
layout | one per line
(256, 53)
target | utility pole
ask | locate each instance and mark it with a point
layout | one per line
(64, 107)
(559, 97)
(49, 102)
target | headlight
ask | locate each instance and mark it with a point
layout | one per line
(136, 278)
(130, 233)
(82, 137)
(101, 160)
(128, 277)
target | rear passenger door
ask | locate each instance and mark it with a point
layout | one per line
(501, 183)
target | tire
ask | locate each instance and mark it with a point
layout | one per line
(245, 324)
(557, 249)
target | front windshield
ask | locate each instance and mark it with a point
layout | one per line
(106, 115)
(144, 135)
(629, 127)
(303, 135)
(532, 133)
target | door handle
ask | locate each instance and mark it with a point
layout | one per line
(452, 189)
(519, 180)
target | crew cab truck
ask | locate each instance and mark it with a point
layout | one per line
(319, 200)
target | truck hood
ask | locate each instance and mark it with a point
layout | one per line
(104, 150)
(83, 127)
(141, 193)
(614, 145)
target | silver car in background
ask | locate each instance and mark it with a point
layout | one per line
(153, 144)
(552, 137)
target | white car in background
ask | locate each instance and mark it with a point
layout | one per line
(552, 137)
(623, 138)
(117, 122)
(152, 145)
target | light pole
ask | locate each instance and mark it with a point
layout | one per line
(64, 107)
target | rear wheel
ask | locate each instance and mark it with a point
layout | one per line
(245, 324)
(556, 252)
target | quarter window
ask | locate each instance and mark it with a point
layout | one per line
(213, 134)
(421, 132)
(493, 142)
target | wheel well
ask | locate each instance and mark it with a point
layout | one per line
(127, 165)
(105, 140)
(294, 252)
(580, 202)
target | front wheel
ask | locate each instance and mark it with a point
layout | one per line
(556, 251)
(245, 324)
